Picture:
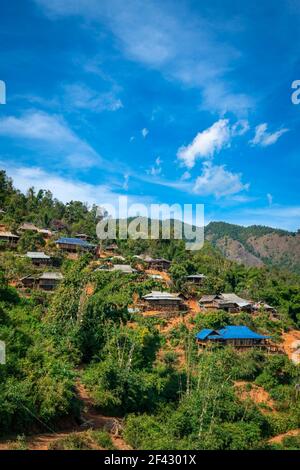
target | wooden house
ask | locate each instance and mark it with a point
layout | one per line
(229, 302)
(262, 306)
(73, 245)
(28, 282)
(195, 279)
(161, 301)
(209, 302)
(9, 238)
(83, 236)
(49, 281)
(45, 233)
(122, 268)
(38, 258)
(240, 337)
(157, 264)
(112, 248)
(28, 226)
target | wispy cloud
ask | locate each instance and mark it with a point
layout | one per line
(270, 199)
(264, 138)
(51, 133)
(67, 189)
(217, 181)
(150, 36)
(156, 169)
(78, 95)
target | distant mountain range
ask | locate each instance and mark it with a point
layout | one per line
(256, 245)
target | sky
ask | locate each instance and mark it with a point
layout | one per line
(175, 102)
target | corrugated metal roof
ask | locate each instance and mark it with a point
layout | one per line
(73, 241)
(125, 268)
(157, 260)
(28, 226)
(37, 255)
(204, 333)
(230, 332)
(235, 299)
(8, 234)
(157, 295)
(208, 298)
(195, 276)
(56, 276)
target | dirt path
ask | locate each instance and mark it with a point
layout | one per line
(91, 420)
(278, 439)
(291, 345)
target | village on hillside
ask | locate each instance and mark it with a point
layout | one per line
(124, 333)
(163, 303)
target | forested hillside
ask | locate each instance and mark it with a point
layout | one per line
(256, 245)
(142, 369)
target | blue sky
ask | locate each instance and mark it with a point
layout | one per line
(163, 101)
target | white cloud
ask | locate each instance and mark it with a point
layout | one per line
(62, 188)
(206, 143)
(52, 134)
(264, 138)
(186, 176)
(78, 95)
(240, 127)
(270, 199)
(150, 36)
(156, 169)
(67, 189)
(126, 182)
(217, 181)
(145, 132)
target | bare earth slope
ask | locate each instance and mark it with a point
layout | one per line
(256, 245)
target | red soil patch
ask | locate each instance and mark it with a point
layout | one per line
(291, 346)
(257, 394)
(193, 306)
(163, 274)
(280, 437)
(89, 289)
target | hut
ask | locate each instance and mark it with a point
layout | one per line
(157, 300)
(123, 268)
(113, 248)
(73, 245)
(240, 337)
(209, 301)
(196, 279)
(28, 226)
(229, 302)
(258, 306)
(45, 233)
(28, 282)
(158, 264)
(49, 281)
(38, 258)
(9, 238)
(232, 303)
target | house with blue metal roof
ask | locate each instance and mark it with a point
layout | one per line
(73, 245)
(241, 337)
